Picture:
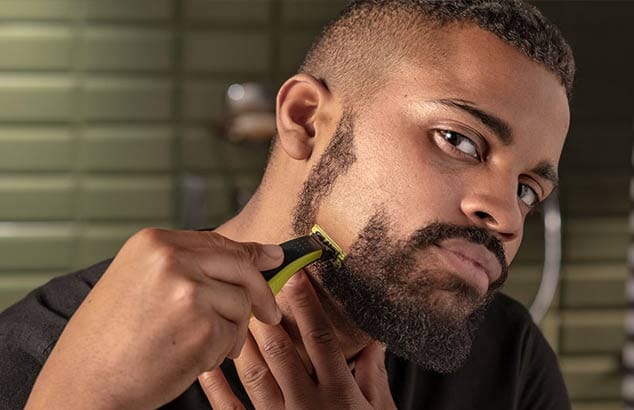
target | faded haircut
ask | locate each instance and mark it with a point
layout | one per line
(354, 51)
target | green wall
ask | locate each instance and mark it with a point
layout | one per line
(106, 105)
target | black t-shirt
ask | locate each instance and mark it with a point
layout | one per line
(511, 365)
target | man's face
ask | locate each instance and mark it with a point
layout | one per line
(428, 186)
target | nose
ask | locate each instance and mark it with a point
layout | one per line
(494, 206)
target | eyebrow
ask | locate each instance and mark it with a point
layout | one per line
(547, 171)
(502, 130)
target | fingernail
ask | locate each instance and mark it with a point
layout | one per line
(273, 251)
(278, 315)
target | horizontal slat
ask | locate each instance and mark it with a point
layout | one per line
(27, 245)
(592, 331)
(35, 97)
(218, 198)
(126, 99)
(227, 51)
(125, 197)
(204, 99)
(35, 148)
(592, 377)
(151, 10)
(595, 239)
(125, 148)
(39, 47)
(36, 9)
(222, 11)
(204, 151)
(99, 241)
(107, 48)
(594, 285)
(36, 197)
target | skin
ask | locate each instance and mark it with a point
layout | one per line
(403, 166)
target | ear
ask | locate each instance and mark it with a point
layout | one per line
(301, 102)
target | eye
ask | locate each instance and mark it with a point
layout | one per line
(460, 142)
(527, 195)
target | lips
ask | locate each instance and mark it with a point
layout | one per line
(472, 260)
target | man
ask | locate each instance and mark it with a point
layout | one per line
(419, 134)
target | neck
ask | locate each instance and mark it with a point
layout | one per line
(258, 222)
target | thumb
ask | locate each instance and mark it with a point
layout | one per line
(371, 376)
(264, 257)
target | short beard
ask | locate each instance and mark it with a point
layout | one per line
(335, 161)
(426, 316)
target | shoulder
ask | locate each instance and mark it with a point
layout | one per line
(35, 322)
(539, 380)
(30, 328)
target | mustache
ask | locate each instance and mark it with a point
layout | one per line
(436, 232)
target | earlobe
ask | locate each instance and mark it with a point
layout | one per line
(299, 102)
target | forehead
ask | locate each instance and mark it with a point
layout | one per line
(468, 63)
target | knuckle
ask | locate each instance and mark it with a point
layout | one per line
(321, 336)
(301, 298)
(255, 374)
(148, 236)
(209, 382)
(166, 257)
(215, 240)
(245, 305)
(276, 349)
(186, 296)
(208, 332)
(249, 251)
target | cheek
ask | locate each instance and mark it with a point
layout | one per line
(411, 191)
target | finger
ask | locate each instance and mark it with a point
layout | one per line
(208, 254)
(230, 301)
(257, 378)
(317, 332)
(235, 269)
(216, 337)
(218, 391)
(262, 256)
(278, 351)
(371, 376)
(221, 312)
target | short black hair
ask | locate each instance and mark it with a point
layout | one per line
(368, 35)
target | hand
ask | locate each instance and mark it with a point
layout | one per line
(171, 305)
(275, 377)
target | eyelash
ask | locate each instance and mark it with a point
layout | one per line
(538, 208)
(532, 209)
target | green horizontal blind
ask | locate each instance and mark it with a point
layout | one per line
(108, 105)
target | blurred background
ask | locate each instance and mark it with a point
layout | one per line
(111, 115)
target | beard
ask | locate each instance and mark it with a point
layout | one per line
(425, 315)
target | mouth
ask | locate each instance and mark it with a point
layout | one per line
(473, 262)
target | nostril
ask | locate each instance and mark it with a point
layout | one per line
(483, 215)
